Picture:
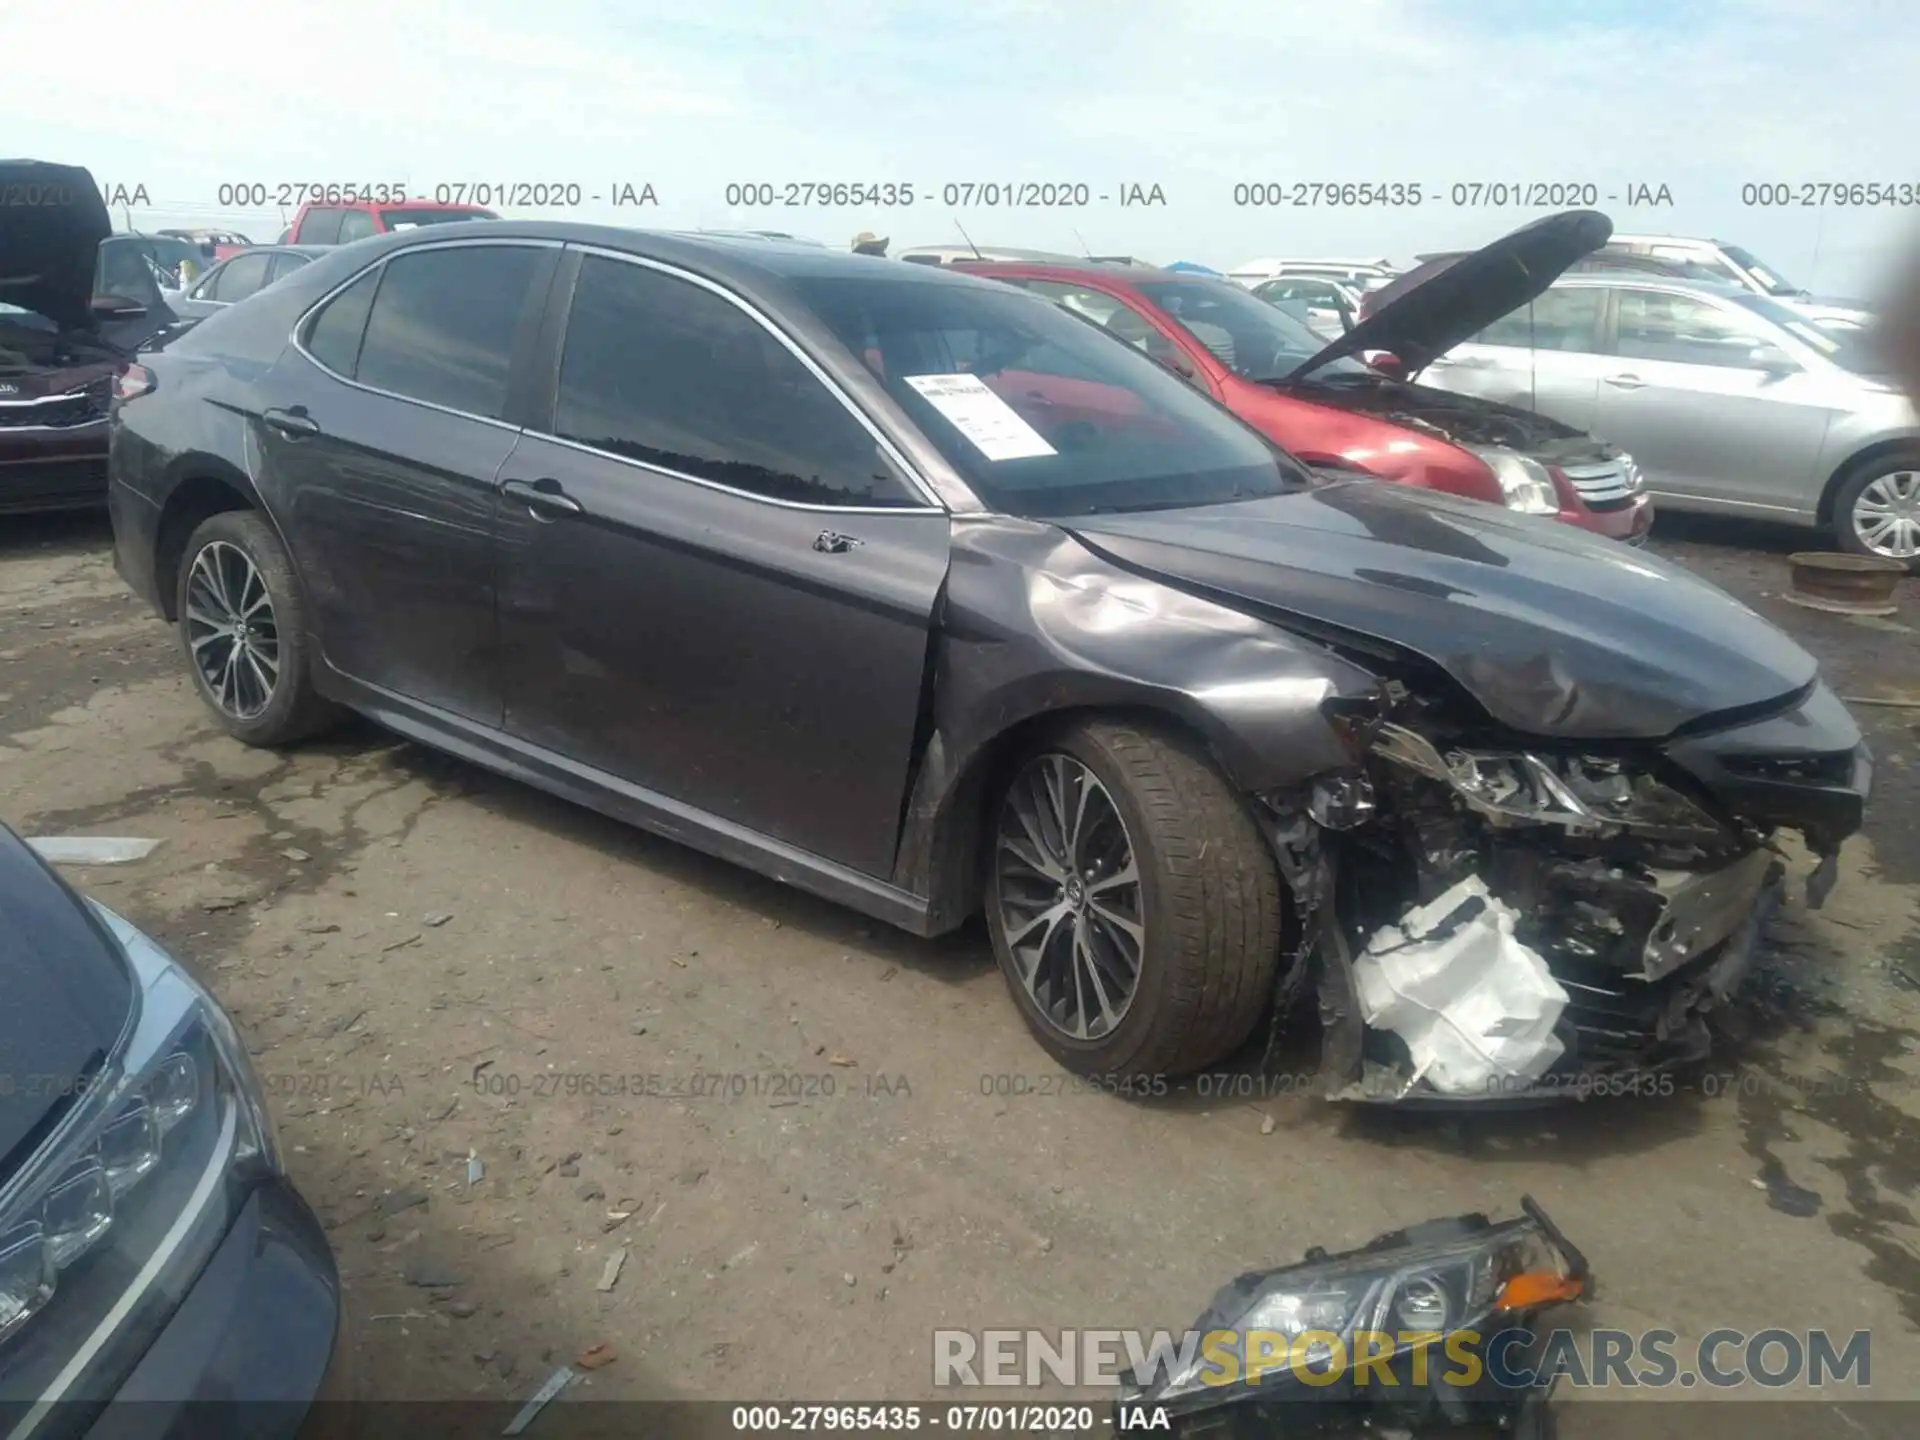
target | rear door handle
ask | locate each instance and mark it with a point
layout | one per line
(1625, 382)
(540, 496)
(294, 424)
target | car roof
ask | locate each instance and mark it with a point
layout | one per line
(740, 261)
(1703, 242)
(1079, 270)
(312, 252)
(1649, 280)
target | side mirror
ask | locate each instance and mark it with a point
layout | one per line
(117, 307)
(1388, 364)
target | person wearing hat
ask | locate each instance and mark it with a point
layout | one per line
(868, 243)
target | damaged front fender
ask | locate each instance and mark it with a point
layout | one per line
(1033, 624)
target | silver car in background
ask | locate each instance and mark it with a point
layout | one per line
(1327, 306)
(1730, 402)
(1731, 265)
(239, 276)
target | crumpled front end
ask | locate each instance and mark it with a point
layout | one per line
(1488, 917)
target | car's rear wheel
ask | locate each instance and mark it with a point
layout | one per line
(1134, 908)
(243, 626)
(1877, 510)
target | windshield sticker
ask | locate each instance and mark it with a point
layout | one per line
(996, 431)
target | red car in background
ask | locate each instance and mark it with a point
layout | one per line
(1319, 402)
(353, 220)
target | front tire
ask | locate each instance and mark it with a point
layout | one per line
(243, 626)
(1876, 511)
(1133, 905)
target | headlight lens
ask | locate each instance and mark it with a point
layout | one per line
(106, 1227)
(1400, 1296)
(1524, 482)
(1585, 793)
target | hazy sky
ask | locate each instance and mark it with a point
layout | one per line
(1193, 95)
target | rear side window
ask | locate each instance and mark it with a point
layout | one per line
(1567, 319)
(333, 336)
(442, 325)
(320, 227)
(285, 264)
(667, 373)
(355, 225)
(240, 277)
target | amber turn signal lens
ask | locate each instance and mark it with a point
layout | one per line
(1531, 1290)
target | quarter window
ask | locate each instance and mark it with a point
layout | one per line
(443, 323)
(662, 371)
(320, 227)
(333, 336)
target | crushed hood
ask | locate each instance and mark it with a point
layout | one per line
(50, 243)
(1427, 318)
(1554, 632)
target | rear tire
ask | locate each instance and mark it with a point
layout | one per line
(243, 626)
(1876, 510)
(1201, 921)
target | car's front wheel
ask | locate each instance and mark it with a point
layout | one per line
(243, 627)
(1877, 510)
(1134, 908)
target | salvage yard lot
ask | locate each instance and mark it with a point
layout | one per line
(817, 1140)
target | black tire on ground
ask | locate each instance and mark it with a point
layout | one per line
(1210, 899)
(1845, 533)
(294, 710)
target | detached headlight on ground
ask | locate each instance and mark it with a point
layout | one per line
(1408, 1290)
(148, 1162)
(1525, 484)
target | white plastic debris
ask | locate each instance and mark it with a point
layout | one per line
(92, 849)
(1475, 1006)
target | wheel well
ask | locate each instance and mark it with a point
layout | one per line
(1855, 463)
(961, 853)
(192, 501)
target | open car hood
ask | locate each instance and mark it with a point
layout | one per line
(1555, 633)
(1421, 320)
(50, 243)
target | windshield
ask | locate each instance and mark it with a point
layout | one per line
(407, 219)
(1251, 338)
(1849, 349)
(1772, 281)
(1042, 413)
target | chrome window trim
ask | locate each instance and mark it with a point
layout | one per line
(916, 480)
(300, 323)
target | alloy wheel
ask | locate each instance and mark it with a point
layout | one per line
(1067, 889)
(231, 630)
(1886, 515)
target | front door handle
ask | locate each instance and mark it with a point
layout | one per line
(832, 542)
(544, 499)
(1625, 382)
(295, 424)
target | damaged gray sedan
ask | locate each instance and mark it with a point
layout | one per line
(922, 594)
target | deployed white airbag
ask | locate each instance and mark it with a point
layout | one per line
(1475, 1006)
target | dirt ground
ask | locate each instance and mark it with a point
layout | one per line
(441, 973)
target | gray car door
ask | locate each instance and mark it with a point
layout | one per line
(1547, 358)
(1716, 414)
(716, 581)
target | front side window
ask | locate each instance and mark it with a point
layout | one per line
(1253, 339)
(285, 263)
(443, 323)
(355, 225)
(1561, 319)
(665, 372)
(1656, 325)
(1113, 315)
(1041, 413)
